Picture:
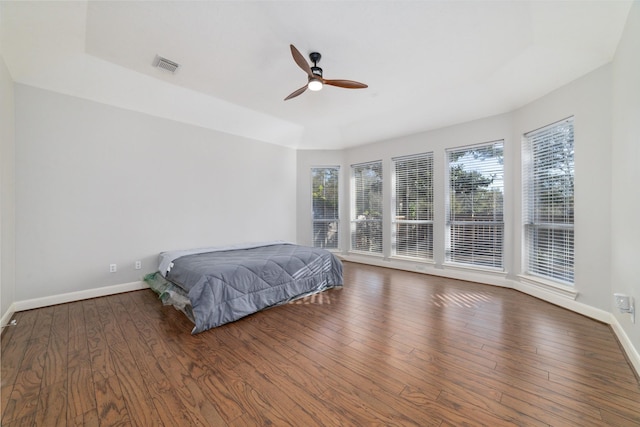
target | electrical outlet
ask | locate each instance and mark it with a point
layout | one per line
(622, 302)
(625, 304)
(138, 265)
(113, 268)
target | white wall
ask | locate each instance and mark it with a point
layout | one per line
(7, 192)
(625, 199)
(97, 185)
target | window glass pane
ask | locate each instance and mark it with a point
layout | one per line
(325, 213)
(414, 240)
(550, 252)
(412, 228)
(548, 169)
(325, 234)
(476, 200)
(366, 223)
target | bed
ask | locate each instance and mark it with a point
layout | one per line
(214, 286)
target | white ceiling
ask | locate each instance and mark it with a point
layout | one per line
(428, 64)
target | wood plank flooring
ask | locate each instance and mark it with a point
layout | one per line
(391, 348)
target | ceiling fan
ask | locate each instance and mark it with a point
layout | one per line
(316, 81)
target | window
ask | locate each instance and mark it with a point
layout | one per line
(366, 212)
(548, 169)
(475, 225)
(412, 227)
(324, 182)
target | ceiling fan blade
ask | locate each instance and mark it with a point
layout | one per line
(296, 92)
(347, 84)
(302, 63)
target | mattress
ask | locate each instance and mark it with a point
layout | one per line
(214, 286)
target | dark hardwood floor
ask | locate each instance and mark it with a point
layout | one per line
(390, 348)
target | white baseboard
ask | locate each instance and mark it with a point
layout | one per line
(495, 278)
(77, 296)
(6, 317)
(562, 299)
(630, 350)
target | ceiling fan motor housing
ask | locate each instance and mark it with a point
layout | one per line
(315, 58)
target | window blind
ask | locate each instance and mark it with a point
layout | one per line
(366, 216)
(548, 169)
(325, 209)
(475, 221)
(412, 225)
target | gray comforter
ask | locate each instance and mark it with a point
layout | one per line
(224, 286)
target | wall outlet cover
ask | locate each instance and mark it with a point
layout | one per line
(622, 301)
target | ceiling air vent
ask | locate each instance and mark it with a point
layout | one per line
(165, 64)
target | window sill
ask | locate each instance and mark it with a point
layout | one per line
(363, 258)
(548, 286)
(365, 254)
(467, 267)
(412, 260)
(334, 250)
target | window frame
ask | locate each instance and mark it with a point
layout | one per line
(476, 261)
(336, 219)
(396, 223)
(561, 233)
(357, 223)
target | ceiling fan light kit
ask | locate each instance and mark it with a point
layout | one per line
(314, 84)
(314, 74)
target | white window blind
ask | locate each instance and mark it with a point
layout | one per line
(412, 225)
(475, 222)
(548, 169)
(325, 188)
(366, 212)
